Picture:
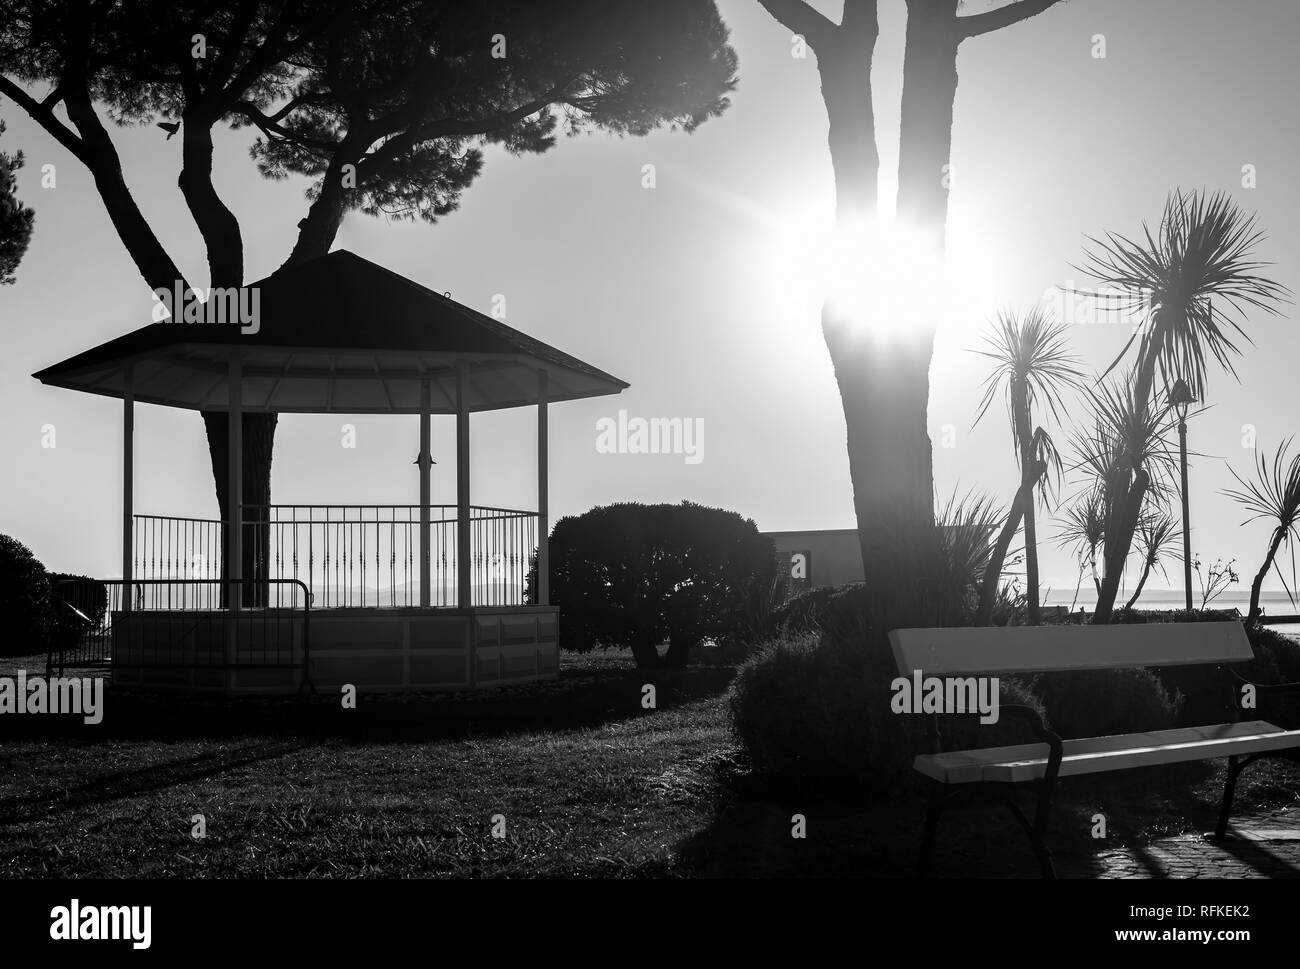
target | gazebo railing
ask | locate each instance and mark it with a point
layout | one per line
(352, 555)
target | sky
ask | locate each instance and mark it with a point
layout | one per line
(702, 292)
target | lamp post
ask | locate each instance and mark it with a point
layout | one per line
(1180, 398)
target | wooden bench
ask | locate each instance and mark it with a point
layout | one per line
(993, 651)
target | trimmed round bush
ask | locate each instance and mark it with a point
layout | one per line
(24, 599)
(1100, 703)
(814, 712)
(633, 575)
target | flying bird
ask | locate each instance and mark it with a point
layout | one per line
(171, 127)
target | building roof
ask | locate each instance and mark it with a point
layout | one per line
(339, 334)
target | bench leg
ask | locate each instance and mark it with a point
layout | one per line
(938, 800)
(1229, 787)
(1041, 851)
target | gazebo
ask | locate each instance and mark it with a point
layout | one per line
(380, 597)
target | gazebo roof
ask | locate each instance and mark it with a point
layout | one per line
(339, 334)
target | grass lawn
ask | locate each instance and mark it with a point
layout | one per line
(587, 781)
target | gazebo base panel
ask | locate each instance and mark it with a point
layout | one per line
(400, 650)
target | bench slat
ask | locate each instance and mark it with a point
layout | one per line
(1039, 649)
(1096, 754)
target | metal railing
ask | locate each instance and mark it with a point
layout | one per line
(350, 555)
(176, 623)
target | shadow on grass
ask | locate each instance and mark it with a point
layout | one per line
(114, 785)
(578, 699)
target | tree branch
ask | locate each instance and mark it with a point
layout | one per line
(100, 156)
(272, 130)
(216, 223)
(42, 112)
(801, 18)
(1012, 13)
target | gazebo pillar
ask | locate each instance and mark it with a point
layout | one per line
(235, 484)
(425, 460)
(543, 521)
(464, 553)
(128, 482)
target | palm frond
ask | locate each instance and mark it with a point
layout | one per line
(1125, 437)
(966, 526)
(1029, 351)
(1157, 535)
(1274, 493)
(1202, 253)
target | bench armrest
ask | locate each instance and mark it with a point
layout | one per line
(1266, 688)
(1055, 746)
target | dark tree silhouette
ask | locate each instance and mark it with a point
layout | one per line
(385, 104)
(632, 575)
(885, 386)
(16, 220)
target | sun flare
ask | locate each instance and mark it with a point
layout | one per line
(881, 277)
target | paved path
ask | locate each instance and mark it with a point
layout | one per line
(1264, 846)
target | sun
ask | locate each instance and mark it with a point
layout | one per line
(885, 279)
(881, 277)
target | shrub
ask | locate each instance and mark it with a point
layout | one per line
(815, 712)
(965, 732)
(632, 575)
(801, 612)
(1207, 693)
(1098, 703)
(841, 611)
(24, 599)
(1283, 650)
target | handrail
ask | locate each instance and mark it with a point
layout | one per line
(94, 646)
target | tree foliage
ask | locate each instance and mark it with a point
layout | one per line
(633, 575)
(16, 220)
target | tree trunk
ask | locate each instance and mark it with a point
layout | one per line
(1258, 584)
(885, 390)
(258, 438)
(646, 654)
(1146, 570)
(998, 554)
(679, 652)
(884, 385)
(1119, 538)
(1022, 421)
(100, 156)
(845, 71)
(925, 127)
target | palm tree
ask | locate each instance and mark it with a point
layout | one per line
(1274, 495)
(1201, 254)
(1032, 366)
(1156, 535)
(1128, 457)
(1085, 527)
